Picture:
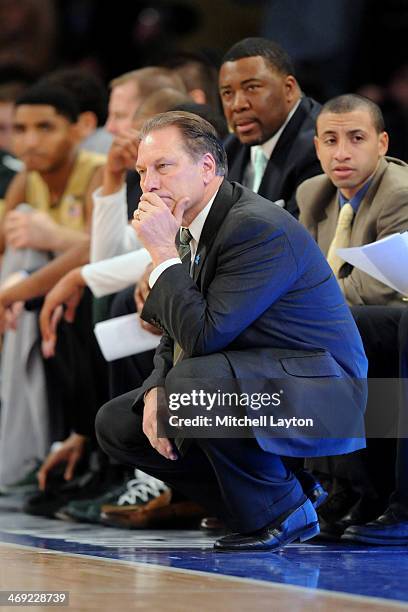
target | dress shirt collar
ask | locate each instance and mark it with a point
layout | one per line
(357, 198)
(269, 146)
(196, 226)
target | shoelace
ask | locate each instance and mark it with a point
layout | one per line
(141, 489)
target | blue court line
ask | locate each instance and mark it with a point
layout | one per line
(355, 570)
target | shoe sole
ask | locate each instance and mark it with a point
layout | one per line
(68, 518)
(372, 540)
(23, 490)
(63, 516)
(312, 530)
(173, 516)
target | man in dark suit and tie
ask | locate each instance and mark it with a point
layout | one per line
(271, 151)
(253, 300)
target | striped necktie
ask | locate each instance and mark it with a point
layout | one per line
(184, 245)
(341, 238)
(185, 253)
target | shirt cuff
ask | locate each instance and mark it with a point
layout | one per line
(112, 198)
(158, 270)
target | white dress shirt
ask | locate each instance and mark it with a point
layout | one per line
(117, 273)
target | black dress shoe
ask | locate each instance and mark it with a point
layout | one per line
(364, 510)
(299, 524)
(338, 504)
(317, 495)
(91, 484)
(389, 529)
(312, 488)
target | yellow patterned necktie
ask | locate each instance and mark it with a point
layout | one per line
(341, 238)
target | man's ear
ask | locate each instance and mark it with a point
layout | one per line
(87, 124)
(75, 133)
(383, 144)
(209, 167)
(316, 144)
(198, 95)
(291, 87)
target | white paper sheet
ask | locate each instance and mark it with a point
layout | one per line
(386, 260)
(124, 336)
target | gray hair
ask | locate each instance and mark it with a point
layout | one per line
(199, 136)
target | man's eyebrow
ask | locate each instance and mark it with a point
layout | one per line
(251, 80)
(244, 82)
(156, 161)
(356, 130)
(353, 131)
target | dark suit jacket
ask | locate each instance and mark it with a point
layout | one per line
(262, 294)
(292, 161)
(383, 211)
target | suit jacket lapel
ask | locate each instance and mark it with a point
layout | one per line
(326, 228)
(360, 222)
(237, 169)
(219, 210)
(271, 183)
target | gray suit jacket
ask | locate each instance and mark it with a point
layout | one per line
(382, 212)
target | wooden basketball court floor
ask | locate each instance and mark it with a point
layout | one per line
(112, 569)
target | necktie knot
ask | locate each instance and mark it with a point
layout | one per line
(345, 216)
(185, 236)
(185, 239)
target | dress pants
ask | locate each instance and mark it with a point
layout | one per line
(379, 328)
(232, 478)
(77, 374)
(399, 498)
(369, 473)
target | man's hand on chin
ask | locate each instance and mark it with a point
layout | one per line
(156, 226)
(162, 445)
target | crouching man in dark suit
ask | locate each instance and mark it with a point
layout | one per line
(252, 299)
